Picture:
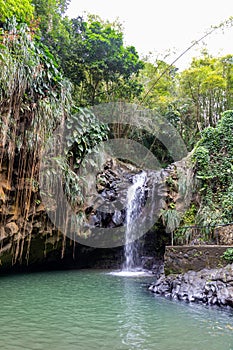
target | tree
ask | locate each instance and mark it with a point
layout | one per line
(193, 99)
(22, 10)
(99, 65)
(209, 85)
(161, 94)
(53, 25)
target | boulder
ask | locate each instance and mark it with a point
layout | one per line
(211, 287)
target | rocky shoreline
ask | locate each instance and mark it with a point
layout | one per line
(207, 286)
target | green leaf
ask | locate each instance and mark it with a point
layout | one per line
(69, 143)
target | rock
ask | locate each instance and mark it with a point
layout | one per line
(40, 208)
(26, 224)
(212, 287)
(11, 228)
(225, 234)
(94, 221)
(6, 248)
(3, 234)
(117, 218)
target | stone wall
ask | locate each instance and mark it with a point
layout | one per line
(225, 234)
(180, 259)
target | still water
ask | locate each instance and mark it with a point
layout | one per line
(85, 310)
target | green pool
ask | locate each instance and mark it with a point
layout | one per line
(85, 310)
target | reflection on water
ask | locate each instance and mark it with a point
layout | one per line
(131, 323)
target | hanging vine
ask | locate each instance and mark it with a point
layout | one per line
(34, 100)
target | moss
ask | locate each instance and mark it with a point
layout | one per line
(198, 254)
(169, 271)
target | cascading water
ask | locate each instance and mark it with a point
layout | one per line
(135, 201)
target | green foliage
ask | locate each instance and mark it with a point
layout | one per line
(189, 216)
(22, 10)
(86, 133)
(228, 255)
(202, 159)
(192, 99)
(35, 99)
(82, 133)
(184, 231)
(213, 159)
(54, 28)
(30, 80)
(71, 185)
(160, 87)
(91, 53)
(171, 219)
(98, 64)
(208, 85)
(171, 183)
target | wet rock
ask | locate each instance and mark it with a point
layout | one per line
(3, 234)
(211, 287)
(94, 221)
(118, 218)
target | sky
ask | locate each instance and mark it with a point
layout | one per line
(162, 26)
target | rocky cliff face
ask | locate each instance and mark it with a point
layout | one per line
(28, 238)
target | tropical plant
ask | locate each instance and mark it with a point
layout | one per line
(213, 157)
(36, 105)
(22, 10)
(228, 255)
(53, 25)
(87, 132)
(208, 85)
(98, 64)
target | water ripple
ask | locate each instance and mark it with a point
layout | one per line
(88, 310)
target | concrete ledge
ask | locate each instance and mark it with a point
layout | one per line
(180, 259)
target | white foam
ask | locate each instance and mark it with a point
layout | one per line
(126, 273)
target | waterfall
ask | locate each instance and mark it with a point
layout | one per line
(135, 201)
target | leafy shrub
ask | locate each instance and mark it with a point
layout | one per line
(213, 157)
(228, 255)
